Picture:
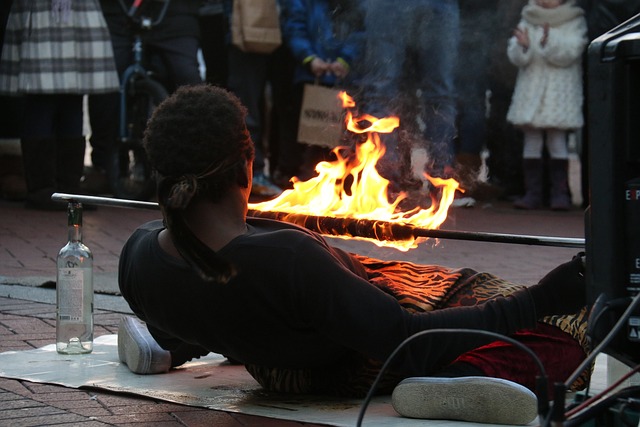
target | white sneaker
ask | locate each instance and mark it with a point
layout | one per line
(475, 399)
(138, 350)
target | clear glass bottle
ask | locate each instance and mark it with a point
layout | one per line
(74, 290)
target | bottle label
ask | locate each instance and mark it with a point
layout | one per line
(70, 294)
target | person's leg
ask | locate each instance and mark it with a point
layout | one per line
(291, 152)
(384, 64)
(180, 57)
(38, 145)
(247, 80)
(504, 142)
(558, 351)
(560, 195)
(387, 38)
(495, 382)
(71, 143)
(477, 19)
(104, 119)
(437, 46)
(499, 382)
(284, 148)
(213, 29)
(146, 353)
(532, 168)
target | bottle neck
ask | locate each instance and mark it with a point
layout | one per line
(75, 233)
(74, 216)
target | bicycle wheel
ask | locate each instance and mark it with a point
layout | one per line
(133, 177)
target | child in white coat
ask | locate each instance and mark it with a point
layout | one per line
(547, 48)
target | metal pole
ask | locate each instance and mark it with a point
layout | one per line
(104, 201)
(380, 230)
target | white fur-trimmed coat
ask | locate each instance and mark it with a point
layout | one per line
(548, 91)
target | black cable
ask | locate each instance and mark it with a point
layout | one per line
(578, 408)
(603, 404)
(592, 326)
(558, 406)
(635, 302)
(557, 411)
(630, 403)
(542, 400)
(594, 410)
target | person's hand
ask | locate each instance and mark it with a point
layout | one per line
(545, 35)
(319, 67)
(339, 69)
(522, 36)
(562, 290)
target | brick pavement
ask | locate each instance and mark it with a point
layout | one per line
(26, 325)
(29, 241)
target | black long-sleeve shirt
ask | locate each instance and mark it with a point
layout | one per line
(296, 302)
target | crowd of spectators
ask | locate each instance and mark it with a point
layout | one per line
(441, 66)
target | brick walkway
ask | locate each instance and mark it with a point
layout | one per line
(25, 325)
(30, 240)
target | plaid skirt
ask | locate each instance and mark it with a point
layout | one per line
(560, 341)
(57, 47)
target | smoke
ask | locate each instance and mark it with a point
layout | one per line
(474, 53)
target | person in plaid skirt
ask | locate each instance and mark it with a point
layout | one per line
(55, 51)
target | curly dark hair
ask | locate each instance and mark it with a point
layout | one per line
(197, 129)
(198, 142)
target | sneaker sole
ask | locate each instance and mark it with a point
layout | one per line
(138, 350)
(474, 399)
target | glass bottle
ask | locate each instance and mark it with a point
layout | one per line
(74, 290)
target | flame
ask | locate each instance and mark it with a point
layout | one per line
(350, 186)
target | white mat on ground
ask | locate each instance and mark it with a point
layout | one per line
(208, 382)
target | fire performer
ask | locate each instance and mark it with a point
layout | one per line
(305, 317)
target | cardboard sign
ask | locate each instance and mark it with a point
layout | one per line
(321, 116)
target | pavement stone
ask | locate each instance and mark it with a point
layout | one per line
(30, 240)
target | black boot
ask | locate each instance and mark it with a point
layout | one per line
(39, 159)
(560, 199)
(532, 171)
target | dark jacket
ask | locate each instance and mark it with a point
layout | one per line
(181, 19)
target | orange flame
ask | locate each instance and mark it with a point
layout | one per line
(350, 186)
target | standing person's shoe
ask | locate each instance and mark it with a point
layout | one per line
(138, 350)
(461, 200)
(474, 399)
(532, 170)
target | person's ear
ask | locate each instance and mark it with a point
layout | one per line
(249, 167)
(245, 173)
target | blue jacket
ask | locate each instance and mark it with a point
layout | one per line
(312, 28)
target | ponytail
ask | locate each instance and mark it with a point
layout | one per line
(175, 195)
